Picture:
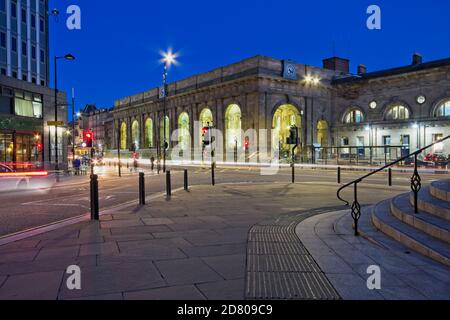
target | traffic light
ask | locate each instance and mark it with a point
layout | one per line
(293, 135)
(246, 144)
(88, 138)
(206, 136)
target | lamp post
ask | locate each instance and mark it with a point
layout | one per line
(66, 57)
(168, 59)
(73, 124)
(310, 82)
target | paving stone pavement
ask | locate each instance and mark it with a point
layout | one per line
(344, 258)
(191, 247)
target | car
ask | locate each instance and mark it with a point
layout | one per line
(442, 161)
(11, 180)
(420, 162)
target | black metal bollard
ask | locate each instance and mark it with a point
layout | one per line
(141, 189)
(168, 184)
(95, 213)
(390, 177)
(213, 174)
(186, 181)
(339, 175)
(293, 172)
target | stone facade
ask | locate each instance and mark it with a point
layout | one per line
(322, 97)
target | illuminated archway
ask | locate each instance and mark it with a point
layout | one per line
(123, 136)
(183, 131)
(135, 135)
(206, 120)
(148, 133)
(161, 130)
(233, 125)
(322, 133)
(285, 116)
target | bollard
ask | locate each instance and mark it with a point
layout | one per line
(293, 172)
(168, 185)
(141, 189)
(339, 175)
(95, 216)
(390, 177)
(213, 174)
(186, 181)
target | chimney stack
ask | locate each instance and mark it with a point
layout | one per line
(417, 59)
(362, 69)
(337, 64)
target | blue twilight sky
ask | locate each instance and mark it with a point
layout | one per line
(117, 49)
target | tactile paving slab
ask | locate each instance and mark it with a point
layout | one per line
(280, 267)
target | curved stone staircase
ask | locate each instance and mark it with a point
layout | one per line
(427, 232)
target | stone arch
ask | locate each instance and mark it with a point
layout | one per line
(148, 133)
(397, 111)
(123, 136)
(184, 131)
(135, 135)
(322, 133)
(206, 118)
(442, 108)
(353, 115)
(284, 117)
(233, 127)
(161, 130)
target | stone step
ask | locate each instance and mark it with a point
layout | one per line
(409, 236)
(441, 189)
(431, 204)
(430, 224)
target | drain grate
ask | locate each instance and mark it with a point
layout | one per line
(280, 267)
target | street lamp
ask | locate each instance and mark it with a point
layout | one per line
(168, 58)
(66, 57)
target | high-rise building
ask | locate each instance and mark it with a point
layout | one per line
(24, 42)
(27, 104)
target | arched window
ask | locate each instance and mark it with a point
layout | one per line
(161, 130)
(149, 133)
(354, 116)
(322, 133)
(398, 112)
(443, 109)
(183, 131)
(284, 118)
(123, 136)
(206, 118)
(135, 135)
(233, 124)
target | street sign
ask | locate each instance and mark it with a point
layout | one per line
(56, 123)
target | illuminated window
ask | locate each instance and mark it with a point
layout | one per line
(149, 133)
(233, 124)
(398, 112)
(443, 110)
(135, 135)
(354, 116)
(183, 131)
(123, 136)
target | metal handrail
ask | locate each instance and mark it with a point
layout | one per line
(415, 183)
